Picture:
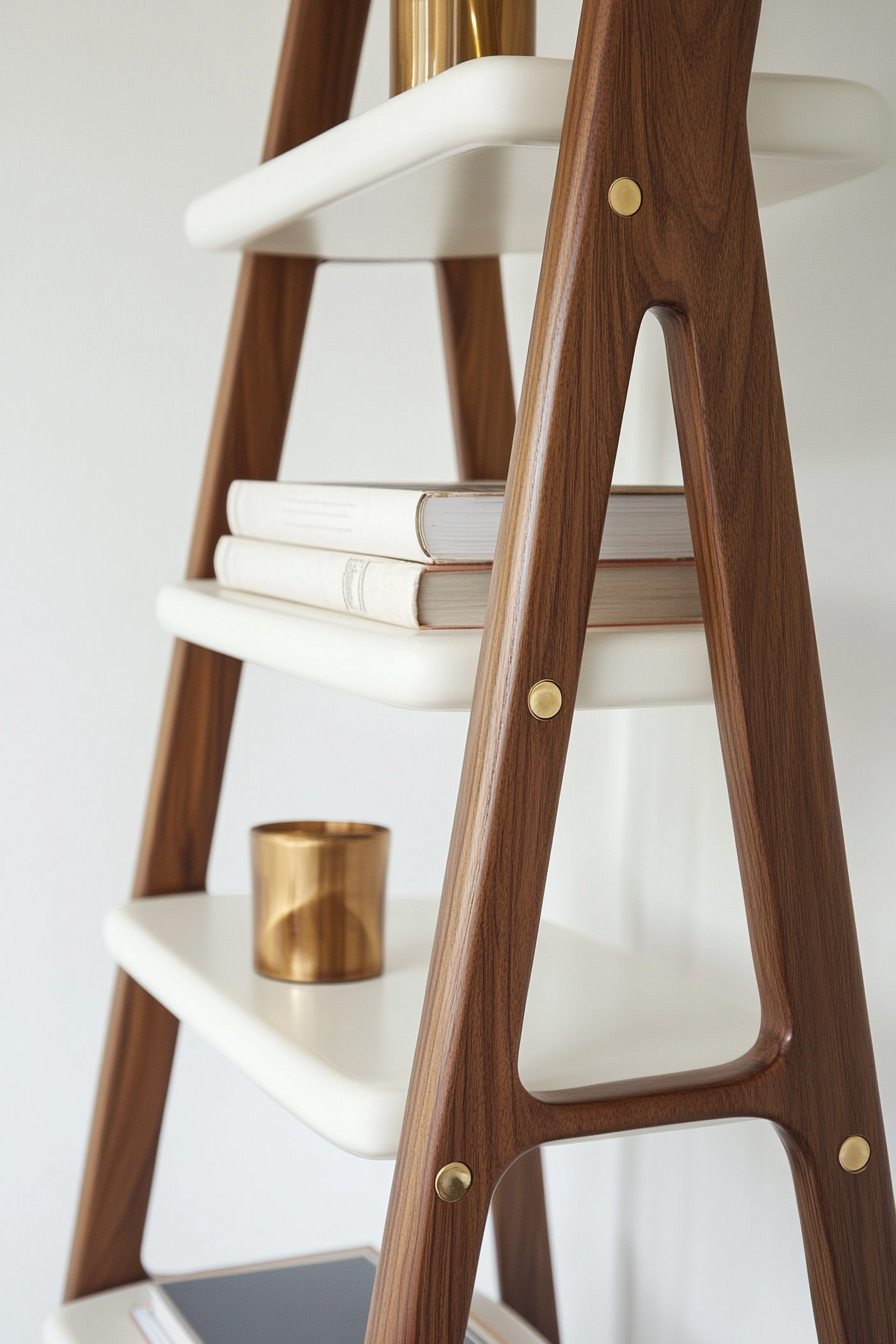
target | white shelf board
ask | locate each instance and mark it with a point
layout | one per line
(424, 669)
(463, 165)
(339, 1056)
(105, 1318)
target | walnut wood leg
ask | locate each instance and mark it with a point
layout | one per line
(319, 62)
(142, 1034)
(478, 364)
(820, 1086)
(127, 1122)
(186, 783)
(484, 413)
(658, 94)
(524, 1250)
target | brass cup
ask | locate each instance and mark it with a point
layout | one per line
(429, 36)
(318, 892)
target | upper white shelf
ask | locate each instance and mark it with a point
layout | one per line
(339, 1056)
(424, 669)
(105, 1318)
(463, 165)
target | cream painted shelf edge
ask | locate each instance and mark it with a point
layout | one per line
(424, 669)
(463, 165)
(339, 1057)
(105, 1319)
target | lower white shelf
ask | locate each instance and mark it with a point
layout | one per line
(424, 669)
(105, 1319)
(339, 1056)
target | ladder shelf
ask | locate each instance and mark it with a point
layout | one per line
(480, 1064)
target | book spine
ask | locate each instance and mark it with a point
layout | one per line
(149, 1327)
(372, 521)
(360, 585)
(167, 1319)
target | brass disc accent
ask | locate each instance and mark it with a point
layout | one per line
(624, 196)
(855, 1153)
(453, 1182)
(545, 699)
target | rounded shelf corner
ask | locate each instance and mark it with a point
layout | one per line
(464, 164)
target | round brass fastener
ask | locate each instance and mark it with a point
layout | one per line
(545, 699)
(453, 1182)
(855, 1153)
(624, 196)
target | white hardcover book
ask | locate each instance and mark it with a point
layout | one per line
(361, 585)
(440, 524)
(429, 524)
(441, 597)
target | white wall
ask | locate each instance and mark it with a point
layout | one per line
(113, 116)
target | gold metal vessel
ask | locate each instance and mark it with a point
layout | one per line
(429, 36)
(318, 892)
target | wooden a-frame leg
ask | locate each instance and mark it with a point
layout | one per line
(315, 81)
(484, 414)
(478, 365)
(658, 95)
(177, 838)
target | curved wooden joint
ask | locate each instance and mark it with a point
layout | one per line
(745, 1087)
(658, 96)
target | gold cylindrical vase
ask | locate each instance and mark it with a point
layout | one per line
(318, 891)
(429, 36)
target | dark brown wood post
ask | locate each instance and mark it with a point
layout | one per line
(316, 78)
(653, 207)
(429, 36)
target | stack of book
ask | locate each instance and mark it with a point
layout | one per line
(421, 555)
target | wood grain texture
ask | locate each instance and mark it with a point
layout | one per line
(520, 1220)
(314, 87)
(484, 415)
(483, 410)
(128, 1114)
(658, 93)
(477, 360)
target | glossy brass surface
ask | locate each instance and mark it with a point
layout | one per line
(453, 1182)
(429, 36)
(318, 892)
(855, 1153)
(625, 196)
(545, 699)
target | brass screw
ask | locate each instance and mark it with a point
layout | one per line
(624, 196)
(545, 699)
(855, 1153)
(453, 1182)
